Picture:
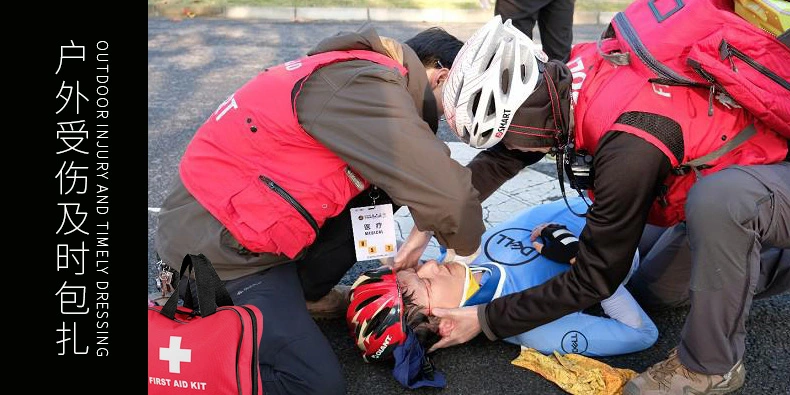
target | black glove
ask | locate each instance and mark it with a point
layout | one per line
(560, 245)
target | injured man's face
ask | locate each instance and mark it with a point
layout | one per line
(434, 284)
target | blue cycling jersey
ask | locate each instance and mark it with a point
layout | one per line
(510, 264)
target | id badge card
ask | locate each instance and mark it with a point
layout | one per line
(374, 232)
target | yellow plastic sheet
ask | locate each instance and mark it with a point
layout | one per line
(772, 16)
(576, 374)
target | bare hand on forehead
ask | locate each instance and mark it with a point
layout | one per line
(409, 253)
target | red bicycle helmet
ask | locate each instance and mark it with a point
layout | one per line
(375, 314)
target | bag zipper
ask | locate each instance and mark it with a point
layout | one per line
(177, 320)
(254, 370)
(642, 53)
(713, 85)
(726, 51)
(290, 199)
(254, 367)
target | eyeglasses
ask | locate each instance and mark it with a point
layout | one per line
(439, 63)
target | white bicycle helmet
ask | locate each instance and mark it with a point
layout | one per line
(494, 73)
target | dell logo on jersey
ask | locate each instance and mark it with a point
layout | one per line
(383, 346)
(504, 121)
(574, 342)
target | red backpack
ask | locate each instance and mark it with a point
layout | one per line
(705, 44)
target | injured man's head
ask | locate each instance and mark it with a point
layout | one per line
(384, 303)
(432, 285)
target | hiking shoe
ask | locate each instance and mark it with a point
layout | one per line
(671, 377)
(332, 305)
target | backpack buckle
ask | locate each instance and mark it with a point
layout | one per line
(681, 170)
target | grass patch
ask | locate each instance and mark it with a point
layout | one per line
(452, 4)
(585, 5)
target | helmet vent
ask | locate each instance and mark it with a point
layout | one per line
(523, 73)
(357, 331)
(458, 92)
(476, 100)
(490, 60)
(486, 134)
(504, 81)
(376, 323)
(491, 109)
(369, 280)
(365, 303)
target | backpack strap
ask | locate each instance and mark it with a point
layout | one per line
(702, 162)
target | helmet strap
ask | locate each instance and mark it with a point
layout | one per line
(430, 111)
(564, 147)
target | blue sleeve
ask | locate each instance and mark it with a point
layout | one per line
(589, 335)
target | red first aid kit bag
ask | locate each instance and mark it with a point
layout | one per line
(209, 350)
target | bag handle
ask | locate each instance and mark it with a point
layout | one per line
(211, 291)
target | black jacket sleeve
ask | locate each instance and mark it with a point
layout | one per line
(495, 166)
(628, 171)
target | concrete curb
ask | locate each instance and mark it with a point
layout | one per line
(310, 14)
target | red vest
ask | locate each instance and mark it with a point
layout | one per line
(257, 171)
(607, 97)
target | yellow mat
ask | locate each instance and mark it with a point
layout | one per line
(576, 374)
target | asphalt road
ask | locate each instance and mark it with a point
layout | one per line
(194, 64)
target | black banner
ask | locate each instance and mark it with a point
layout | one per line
(98, 335)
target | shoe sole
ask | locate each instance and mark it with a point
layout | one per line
(631, 389)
